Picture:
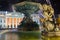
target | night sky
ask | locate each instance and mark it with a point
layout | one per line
(5, 5)
(56, 5)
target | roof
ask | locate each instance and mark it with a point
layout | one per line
(11, 14)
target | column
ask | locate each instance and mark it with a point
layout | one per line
(9, 26)
(3, 23)
(6, 23)
(12, 22)
(9, 23)
(16, 22)
(6, 20)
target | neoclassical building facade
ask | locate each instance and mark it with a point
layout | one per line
(10, 19)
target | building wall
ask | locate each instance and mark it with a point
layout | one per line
(13, 21)
(10, 20)
(2, 22)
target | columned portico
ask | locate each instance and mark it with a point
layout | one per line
(12, 24)
(10, 19)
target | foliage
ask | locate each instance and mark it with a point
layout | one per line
(27, 9)
(28, 25)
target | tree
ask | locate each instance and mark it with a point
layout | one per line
(27, 9)
(29, 25)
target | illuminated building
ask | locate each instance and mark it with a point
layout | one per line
(10, 19)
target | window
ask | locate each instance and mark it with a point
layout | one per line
(0, 26)
(4, 25)
(0, 20)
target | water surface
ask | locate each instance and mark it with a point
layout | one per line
(20, 36)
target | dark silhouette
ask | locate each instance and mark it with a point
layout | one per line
(56, 6)
(28, 25)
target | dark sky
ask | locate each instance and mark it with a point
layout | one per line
(56, 5)
(5, 5)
